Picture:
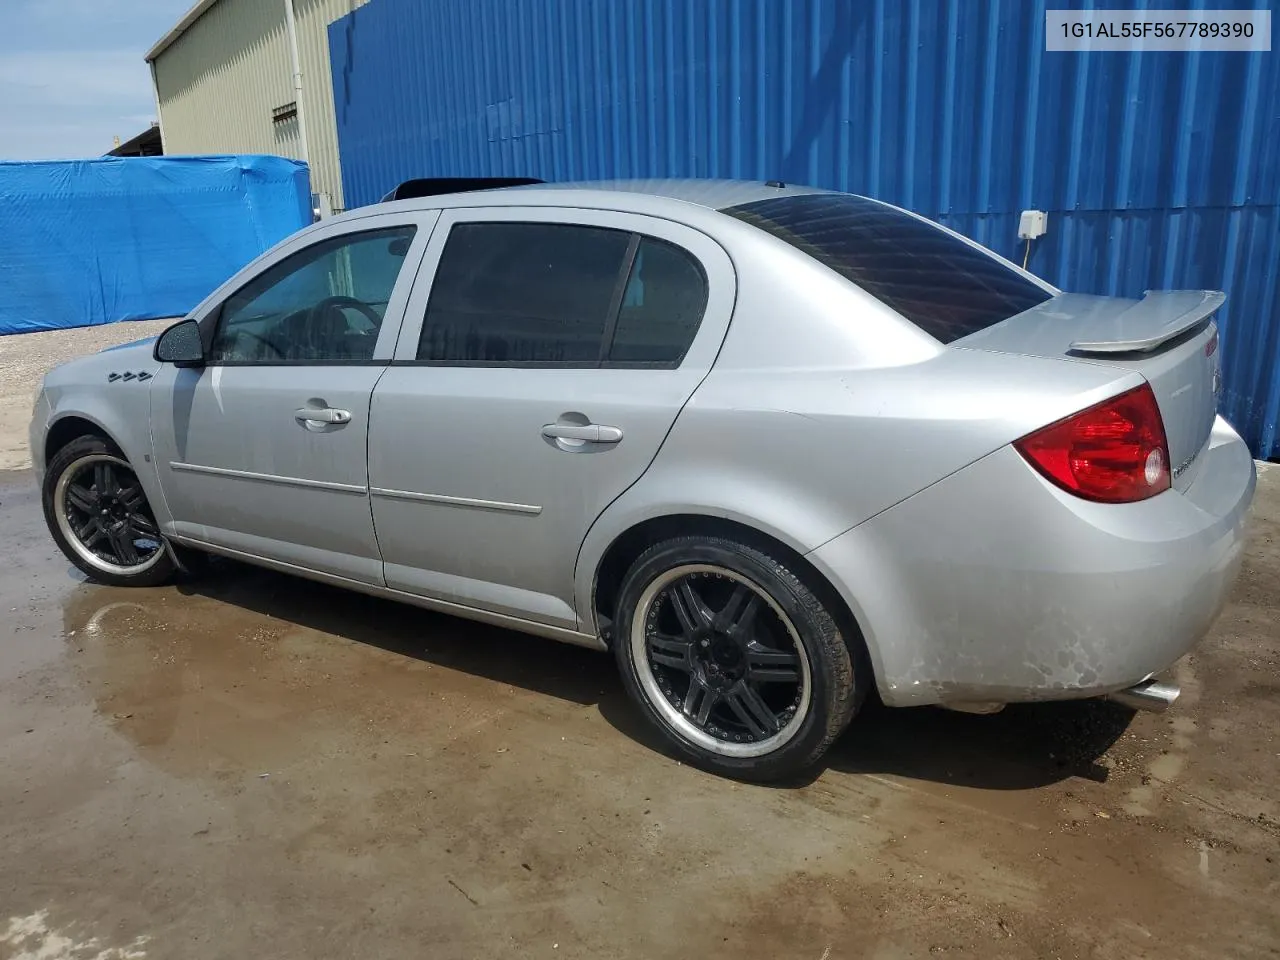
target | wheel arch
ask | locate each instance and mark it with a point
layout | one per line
(82, 416)
(72, 426)
(623, 550)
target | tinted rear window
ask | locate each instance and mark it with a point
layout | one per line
(941, 284)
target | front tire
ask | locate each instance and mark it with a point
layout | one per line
(99, 516)
(734, 659)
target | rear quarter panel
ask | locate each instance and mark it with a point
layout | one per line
(825, 408)
(995, 585)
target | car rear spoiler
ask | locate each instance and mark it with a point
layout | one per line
(1160, 316)
(434, 186)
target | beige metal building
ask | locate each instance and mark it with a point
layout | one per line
(252, 76)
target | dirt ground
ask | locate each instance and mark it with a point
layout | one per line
(24, 360)
(249, 765)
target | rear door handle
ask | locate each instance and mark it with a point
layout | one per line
(589, 432)
(322, 415)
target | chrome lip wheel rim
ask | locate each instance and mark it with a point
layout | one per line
(720, 661)
(102, 512)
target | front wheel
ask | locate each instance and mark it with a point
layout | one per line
(734, 659)
(99, 516)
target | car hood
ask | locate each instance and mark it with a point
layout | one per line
(114, 363)
(145, 341)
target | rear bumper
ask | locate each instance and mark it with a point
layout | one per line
(994, 585)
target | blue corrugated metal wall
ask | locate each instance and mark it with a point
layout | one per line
(1159, 170)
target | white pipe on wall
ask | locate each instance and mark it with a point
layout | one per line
(297, 77)
(155, 95)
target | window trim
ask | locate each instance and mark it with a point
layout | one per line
(538, 364)
(620, 283)
(607, 336)
(298, 363)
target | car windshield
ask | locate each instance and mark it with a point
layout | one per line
(945, 286)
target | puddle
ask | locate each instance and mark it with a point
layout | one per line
(249, 669)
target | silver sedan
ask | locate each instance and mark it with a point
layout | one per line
(771, 446)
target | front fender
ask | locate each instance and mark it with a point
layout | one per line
(40, 413)
(122, 412)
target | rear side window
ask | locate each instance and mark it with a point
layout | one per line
(561, 294)
(523, 292)
(665, 297)
(943, 285)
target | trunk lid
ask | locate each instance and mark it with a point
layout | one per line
(1167, 337)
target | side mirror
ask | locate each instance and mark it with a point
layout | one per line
(181, 345)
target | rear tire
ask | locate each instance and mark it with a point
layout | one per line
(734, 659)
(99, 516)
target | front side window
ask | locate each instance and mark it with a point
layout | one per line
(324, 304)
(944, 286)
(561, 294)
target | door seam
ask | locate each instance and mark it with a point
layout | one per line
(589, 618)
(368, 482)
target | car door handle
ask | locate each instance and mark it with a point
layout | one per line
(589, 432)
(322, 415)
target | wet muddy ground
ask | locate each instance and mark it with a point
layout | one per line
(250, 765)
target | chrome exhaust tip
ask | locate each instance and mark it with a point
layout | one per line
(1150, 695)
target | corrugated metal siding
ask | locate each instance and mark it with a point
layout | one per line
(313, 18)
(218, 82)
(1159, 170)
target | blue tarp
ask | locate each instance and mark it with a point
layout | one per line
(85, 242)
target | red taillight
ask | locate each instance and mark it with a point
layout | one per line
(1114, 452)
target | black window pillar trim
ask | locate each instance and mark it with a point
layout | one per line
(619, 292)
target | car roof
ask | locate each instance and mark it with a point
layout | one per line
(639, 196)
(715, 194)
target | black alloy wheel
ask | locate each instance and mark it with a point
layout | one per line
(98, 513)
(736, 660)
